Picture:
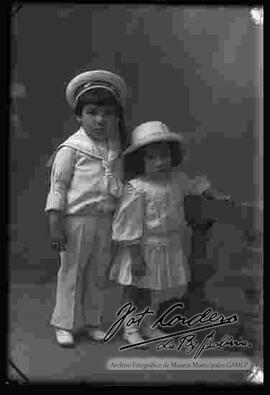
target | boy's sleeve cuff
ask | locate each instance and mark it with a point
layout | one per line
(55, 203)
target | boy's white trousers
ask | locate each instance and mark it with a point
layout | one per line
(81, 276)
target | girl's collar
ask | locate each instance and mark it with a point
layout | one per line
(160, 180)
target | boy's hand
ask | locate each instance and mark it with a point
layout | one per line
(56, 231)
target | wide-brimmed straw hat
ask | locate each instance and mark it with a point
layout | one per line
(96, 79)
(151, 132)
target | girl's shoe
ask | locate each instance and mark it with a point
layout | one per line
(96, 334)
(134, 338)
(153, 333)
(64, 338)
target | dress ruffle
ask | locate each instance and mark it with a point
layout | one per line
(163, 267)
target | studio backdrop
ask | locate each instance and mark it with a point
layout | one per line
(198, 69)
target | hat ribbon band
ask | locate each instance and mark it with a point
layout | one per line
(95, 84)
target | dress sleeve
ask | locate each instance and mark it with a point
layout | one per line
(197, 185)
(128, 219)
(61, 174)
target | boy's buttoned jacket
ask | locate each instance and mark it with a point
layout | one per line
(84, 177)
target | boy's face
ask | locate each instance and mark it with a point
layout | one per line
(157, 158)
(98, 121)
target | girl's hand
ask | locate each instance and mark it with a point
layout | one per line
(56, 231)
(211, 193)
(200, 184)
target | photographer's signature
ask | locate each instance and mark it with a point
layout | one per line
(186, 338)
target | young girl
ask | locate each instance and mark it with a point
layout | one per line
(84, 189)
(149, 224)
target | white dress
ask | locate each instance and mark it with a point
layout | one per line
(151, 214)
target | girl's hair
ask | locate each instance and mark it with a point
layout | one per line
(133, 163)
(102, 97)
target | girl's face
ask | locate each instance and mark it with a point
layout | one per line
(99, 122)
(157, 158)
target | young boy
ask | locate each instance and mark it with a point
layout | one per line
(83, 192)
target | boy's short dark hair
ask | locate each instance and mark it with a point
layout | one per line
(134, 163)
(100, 97)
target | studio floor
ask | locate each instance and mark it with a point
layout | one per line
(33, 349)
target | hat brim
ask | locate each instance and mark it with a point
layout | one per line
(95, 76)
(171, 138)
